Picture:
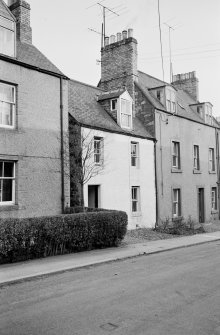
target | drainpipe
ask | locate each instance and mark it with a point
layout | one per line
(217, 165)
(156, 188)
(62, 146)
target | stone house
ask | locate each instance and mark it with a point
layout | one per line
(33, 121)
(187, 140)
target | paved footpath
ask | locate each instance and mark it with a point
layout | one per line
(16, 272)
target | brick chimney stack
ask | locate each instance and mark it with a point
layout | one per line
(119, 62)
(187, 82)
(21, 10)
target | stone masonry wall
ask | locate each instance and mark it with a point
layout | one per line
(119, 65)
(144, 111)
(21, 10)
(35, 142)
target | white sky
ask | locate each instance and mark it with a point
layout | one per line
(60, 31)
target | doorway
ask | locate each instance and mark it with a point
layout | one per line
(201, 203)
(93, 196)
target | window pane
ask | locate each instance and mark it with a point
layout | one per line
(6, 114)
(7, 45)
(7, 93)
(134, 206)
(6, 23)
(125, 120)
(8, 169)
(7, 190)
(1, 169)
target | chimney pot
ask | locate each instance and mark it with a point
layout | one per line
(124, 34)
(112, 39)
(106, 41)
(118, 37)
(130, 32)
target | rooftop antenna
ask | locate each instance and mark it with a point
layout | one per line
(171, 65)
(161, 45)
(104, 8)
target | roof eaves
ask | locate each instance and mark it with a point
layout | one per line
(32, 67)
(116, 131)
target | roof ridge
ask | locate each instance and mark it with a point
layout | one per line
(154, 77)
(85, 84)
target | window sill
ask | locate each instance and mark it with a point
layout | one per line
(195, 171)
(212, 172)
(214, 211)
(176, 170)
(136, 214)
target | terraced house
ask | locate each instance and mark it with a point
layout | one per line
(118, 153)
(33, 120)
(187, 140)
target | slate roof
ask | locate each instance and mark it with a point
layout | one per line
(184, 100)
(29, 54)
(85, 108)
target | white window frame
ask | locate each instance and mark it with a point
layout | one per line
(176, 155)
(12, 104)
(196, 160)
(128, 113)
(5, 26)
(176, 202)
(2, 178)
(211, 160)
(214, 204)
(135, 199)
(98, 150)
(135, 154)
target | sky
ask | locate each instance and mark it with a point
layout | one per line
(61, 32)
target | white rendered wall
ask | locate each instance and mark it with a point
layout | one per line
(117, 177)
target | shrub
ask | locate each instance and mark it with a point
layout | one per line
(22, 239)
(81, 209)
(180, 226)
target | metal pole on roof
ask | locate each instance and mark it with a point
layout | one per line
(161, 46)
(171, 65)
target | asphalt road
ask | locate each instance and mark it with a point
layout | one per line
(175, 293)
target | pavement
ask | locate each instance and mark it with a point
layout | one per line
(18, 272)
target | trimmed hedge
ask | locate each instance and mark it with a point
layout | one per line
(81, 209)
(29, 238)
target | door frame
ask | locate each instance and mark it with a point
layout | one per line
(198, 203)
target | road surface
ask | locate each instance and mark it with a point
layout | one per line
(175, 292)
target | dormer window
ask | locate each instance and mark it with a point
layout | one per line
(170, 100)
(126, 114)
(208, 113)
(7, 37)
(114, 104)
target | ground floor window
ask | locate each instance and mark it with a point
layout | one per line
(7, 182)
(176, 202)
(135, 196)
(214, 198)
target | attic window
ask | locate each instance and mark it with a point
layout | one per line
(7, 37)
(126, 114)
(159, 94)
(114, 104)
